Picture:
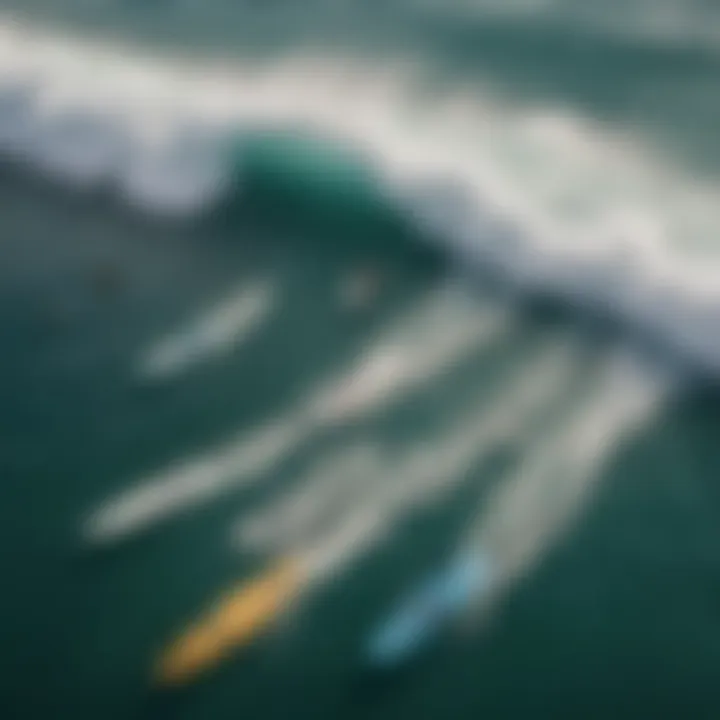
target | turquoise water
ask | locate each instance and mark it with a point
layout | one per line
(615, 611)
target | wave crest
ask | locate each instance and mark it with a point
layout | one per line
(548, 199)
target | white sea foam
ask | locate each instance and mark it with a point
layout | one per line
(550, 199)
(218, 331)
(427, 341)
(425, 475)
(189, 482)
(554, 482)
(329, 486)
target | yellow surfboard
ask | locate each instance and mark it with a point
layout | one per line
(234, 621)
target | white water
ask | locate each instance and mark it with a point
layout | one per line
(427, 341)
(446, 327)
(329, 486)
(550, 199)
(364, 510)
(218, 331)
(189, 482)
(538, 503)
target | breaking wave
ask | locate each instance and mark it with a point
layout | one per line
(547, 199)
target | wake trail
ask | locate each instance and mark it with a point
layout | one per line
(529, 511)
(427, 474)
(555, 481)
(450, 327)
(218, 331)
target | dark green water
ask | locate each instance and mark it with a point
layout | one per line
(619, 618)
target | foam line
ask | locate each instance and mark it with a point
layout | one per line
(425, 343)
(238, 617)
(245, 459)
(213, 333)
(549, 199)
(528, 512)
(331, 484)
(538, 503)
(427, 474)
(189, 482)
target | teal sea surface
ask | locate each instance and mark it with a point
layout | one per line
(366, 284)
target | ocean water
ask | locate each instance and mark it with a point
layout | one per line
(367, 285)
